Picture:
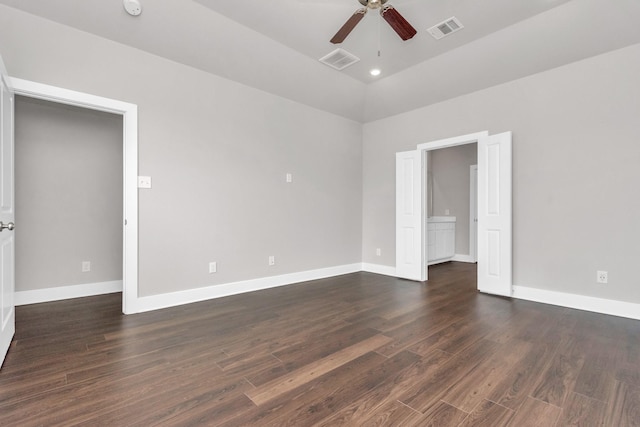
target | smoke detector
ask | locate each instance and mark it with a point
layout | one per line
(133, 7)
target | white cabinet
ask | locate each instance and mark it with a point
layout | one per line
(441, 238)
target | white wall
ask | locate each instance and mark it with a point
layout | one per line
(511, 53)
(217, 152)
(68, 164)
(575, 165)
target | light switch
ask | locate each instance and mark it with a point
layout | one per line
(144, 182)
(289, 177)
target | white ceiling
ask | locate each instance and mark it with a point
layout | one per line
(307, 26)
(275, 45)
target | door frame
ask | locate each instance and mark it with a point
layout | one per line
(420, 272)
(129, 113)
(473, 213)
(471, 138)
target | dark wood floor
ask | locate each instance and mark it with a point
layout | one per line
(356, 350)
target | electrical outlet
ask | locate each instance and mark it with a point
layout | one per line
(144, 182)
(602, 277)
(447, 211)
(289, 177)
(213, 267)
(86, 266)
(378, 252)
(272, 260)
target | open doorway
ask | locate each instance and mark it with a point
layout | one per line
(494, 210)
(129, 219)
(69, 201)
(451, 211)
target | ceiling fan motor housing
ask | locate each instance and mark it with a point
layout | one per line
(373, 4)
(389, 13)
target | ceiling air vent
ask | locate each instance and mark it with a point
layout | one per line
(446, 27)
(339, 59)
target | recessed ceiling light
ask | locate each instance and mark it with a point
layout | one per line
(375, 72)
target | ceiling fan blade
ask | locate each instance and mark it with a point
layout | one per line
(349, 26)
(398, 23)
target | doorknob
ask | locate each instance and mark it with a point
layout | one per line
(8, 226)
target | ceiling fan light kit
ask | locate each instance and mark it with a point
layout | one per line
(389, 13)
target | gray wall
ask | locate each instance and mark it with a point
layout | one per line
(575, 171)
(450, 172)
(68, 164)
(217, 152)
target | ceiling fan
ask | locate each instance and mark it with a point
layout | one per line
(389, 13)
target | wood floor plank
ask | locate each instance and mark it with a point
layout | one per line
(315, 369)
(392, 413)
(351, 350)
(429, 390)
(323, 402)
(440, 339)
(295, 401)
(478, 384)
(222, 400)
(488, 414)
(441, 414)
(583, 411)
(323, 344)
(518, 383)
(388, 390)
(559, 379)
(598, 374)
(624, 406)
(535, 413)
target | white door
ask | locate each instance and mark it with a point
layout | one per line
(494, 214)
(410, 238)
(7, 215)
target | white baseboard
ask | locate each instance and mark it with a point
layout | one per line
(579, 302)
(462, 258)
(156, 302)
(456, 257)
(379, 269)
(66, 292)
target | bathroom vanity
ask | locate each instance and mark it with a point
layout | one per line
(441, 238)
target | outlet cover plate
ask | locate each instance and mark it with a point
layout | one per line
(144, 182)
(602, 276)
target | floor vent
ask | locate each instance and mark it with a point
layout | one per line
(446, 27)
(339, 59)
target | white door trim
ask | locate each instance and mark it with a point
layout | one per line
(473, 213)
(452, 142)
(476, 137)
(129, 113)
(420, 200)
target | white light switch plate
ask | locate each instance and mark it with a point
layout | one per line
(144, 182)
